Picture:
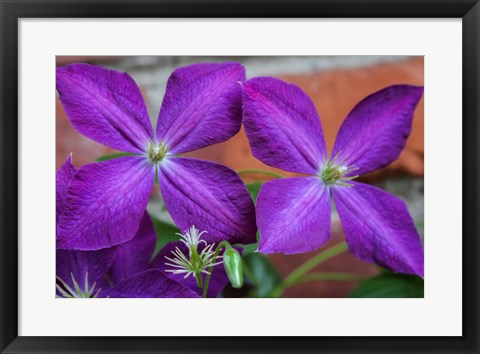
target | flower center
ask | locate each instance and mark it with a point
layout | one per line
(196, 262)
(334, 172)
(156, 152)
(66, 290)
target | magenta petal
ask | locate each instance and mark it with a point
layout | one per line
(64, 175)
(79, 263)
(202, 106)
(293, 215)
(105, 203)
(105, 105)
(135, 255)
(218, 280)
(151, 283)
(210, 196)
(376, 130)
(379, 228)
(282, 125)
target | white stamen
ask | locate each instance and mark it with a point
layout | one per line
(197, 264)
(66, 291)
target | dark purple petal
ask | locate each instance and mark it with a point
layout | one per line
(151, 283)
(293, 215)
(105, 203)
(105, 105)
(210, 196)
(376, 130)
(79, 263)
(135, 255)
(64, 175)
(218, 280)
(202, 106)
(282, 125)
(379, 228)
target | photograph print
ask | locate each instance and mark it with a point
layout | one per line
(239, 177)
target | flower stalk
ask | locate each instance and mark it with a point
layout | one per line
(297, 275)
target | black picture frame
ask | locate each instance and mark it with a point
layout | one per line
(13, 10)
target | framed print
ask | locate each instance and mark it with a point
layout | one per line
(239, 177)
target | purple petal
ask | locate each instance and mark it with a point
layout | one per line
(79, 263)
(210, 196)
(64, 175)
(218, 280)
(379, 228)
(151, 283)
(135, 255)
(105, 203)
(202, 106)
(293, 215)
(105, 105)
(376, 130)
(282, 125)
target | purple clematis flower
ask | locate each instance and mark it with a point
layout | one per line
(119, 271)
(105, 201)
(293, 214)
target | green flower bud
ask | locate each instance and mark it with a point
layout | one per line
(232, 261)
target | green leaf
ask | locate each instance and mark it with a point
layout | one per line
(254, 188)
(260, 273)
(390, 285)
(165, 233)
(420, 227)
(112, 156)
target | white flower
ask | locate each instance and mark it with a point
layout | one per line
(196, 263)
(191, 238)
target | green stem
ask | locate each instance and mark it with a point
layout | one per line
(320, 277)
(199, 280)
(195, 259)
(209, 275)
(295, 276)
(328, 276)
(261, 172)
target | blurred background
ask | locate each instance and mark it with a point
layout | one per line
(335, 84)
